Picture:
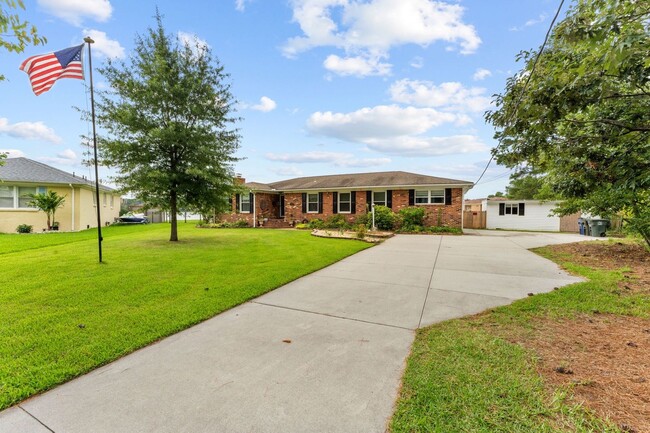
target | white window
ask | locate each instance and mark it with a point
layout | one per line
(6, 196)
(379, 198)
(112, 200)
(105, 199)
(345, 202)
(24, 196)
(512, 208)
(432, 196)
(312, 203)
(244, 203)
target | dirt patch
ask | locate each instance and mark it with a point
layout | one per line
(611, 256)
(605, 359)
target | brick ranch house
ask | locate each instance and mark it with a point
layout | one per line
(287, 202)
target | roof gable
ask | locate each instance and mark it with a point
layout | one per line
(30, 171)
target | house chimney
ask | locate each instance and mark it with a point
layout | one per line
(239, 180)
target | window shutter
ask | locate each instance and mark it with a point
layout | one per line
(502, 208)
(411, 197)
(389, 199)
(335, 202)
(353, 201)
(369, 200)
(237, 203)
(251, 197)
(304, 202)
(320, 202)
(447, 196)
(521, 209)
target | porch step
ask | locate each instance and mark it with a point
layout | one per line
(276, 223)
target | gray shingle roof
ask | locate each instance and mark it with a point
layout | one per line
(365, 180)
(30, 171)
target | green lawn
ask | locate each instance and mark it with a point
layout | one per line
(63, 314)
(463, 376)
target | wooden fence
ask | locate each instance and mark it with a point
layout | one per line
(474, 220)
(569, 223)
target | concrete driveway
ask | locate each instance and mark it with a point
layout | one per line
(324, 353)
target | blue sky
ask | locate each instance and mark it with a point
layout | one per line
(324, 86)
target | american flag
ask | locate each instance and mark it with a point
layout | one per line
(45, 69)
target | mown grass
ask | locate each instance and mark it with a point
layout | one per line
(464, 376)
(64, 314)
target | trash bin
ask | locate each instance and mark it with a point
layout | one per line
(581, 226)
(599, 227)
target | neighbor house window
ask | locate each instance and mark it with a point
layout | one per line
(105, 199)
(512, 208)
(432, 196)
(112, 200)
(345, 202)
(379, 198)
(6, 196)
(18, 196)
(24, 198)
(312, 203)
(245, 203)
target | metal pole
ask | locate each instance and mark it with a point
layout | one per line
(373, 218)
(89, 41)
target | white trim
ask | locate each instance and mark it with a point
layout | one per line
(429, 197)
(338, 202)
(317, 202)
(241, 202)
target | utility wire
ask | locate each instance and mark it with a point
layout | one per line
(523, 91)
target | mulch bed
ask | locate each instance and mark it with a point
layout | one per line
(604, 358)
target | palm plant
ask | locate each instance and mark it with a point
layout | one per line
(48, 202)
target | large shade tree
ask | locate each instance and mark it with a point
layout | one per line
(170, 124)
(584, 116)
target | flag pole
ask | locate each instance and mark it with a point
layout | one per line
(89, 41)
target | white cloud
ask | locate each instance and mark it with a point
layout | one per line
(417, 62)
(105, 46)
(287, 171)
(339, 159)
(67, 157)
(450, 96)
(414, 146)
(531, 22)
(75, 11)
(29, 131)
(240, 5)
(481, 74)
(308, 157)
(372, 28)
(13, 153)
(382, 120)
(195, 43)
(266, 104)
(359, 66)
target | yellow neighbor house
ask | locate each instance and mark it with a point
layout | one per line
(20, 177)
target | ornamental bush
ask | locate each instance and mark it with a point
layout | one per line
(24, 228)
(412, 218)
(385, 219)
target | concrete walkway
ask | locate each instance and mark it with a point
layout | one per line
(324, 353)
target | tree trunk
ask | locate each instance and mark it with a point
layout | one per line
(173, 209)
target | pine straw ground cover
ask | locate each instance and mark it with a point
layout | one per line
(573, 360)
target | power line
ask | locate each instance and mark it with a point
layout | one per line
(523, 91)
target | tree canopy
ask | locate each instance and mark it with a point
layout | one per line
(16, 34)
(169, 121)
(584, 118)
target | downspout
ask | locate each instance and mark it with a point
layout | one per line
(72, 188)
(254, 204)
(462, 209)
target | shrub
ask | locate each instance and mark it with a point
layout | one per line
(24, 228)
(363, 219)
(316, 224)
(337, 221)
(412, 218)
(361, 230)
(239, 224)
(385, 219)
(302, 226)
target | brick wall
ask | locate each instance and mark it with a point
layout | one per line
(267, 205)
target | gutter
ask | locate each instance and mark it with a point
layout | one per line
(72, 188)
